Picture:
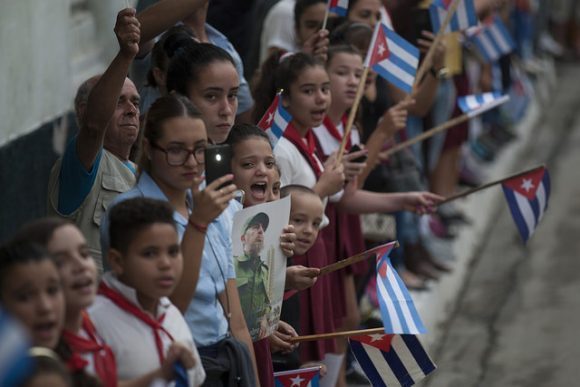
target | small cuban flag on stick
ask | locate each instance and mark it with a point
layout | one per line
(398, 311)
(304, 377)
(393, 58)
(527, 196)
(391, 360)
(339, 7)
(472, 104)
(275, 120)
(464, 17)
(492, 40)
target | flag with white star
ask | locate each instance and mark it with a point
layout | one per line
(304, 377)
(398, 311)
(275, 120)
(527, 196)
(463, 18)
(339, 7)
(393, 58)
(392, 360)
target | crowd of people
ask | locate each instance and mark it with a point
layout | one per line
(132, 281)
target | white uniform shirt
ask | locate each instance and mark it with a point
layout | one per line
(133, 341)
(278, 29)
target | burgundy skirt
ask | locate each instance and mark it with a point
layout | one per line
(316, 306)
(456, 136)
(264, 362)
(331, 236)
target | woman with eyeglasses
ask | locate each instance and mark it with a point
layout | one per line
(171, 168)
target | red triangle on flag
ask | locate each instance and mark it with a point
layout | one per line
(380, 49)
(526, 185)
(380, 340)
(300, 378)
(268, 117)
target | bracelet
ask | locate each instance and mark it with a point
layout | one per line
(199, 227)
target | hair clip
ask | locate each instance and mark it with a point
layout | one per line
(285, 55)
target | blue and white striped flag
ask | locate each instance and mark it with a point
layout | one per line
(476, 104)
(527, 196)
(463, 18)
(492, 40)
(275, 120)
(393, 58)
(391, 360)
(397, 308)
(15, 364)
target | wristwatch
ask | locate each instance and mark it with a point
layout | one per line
(442, 73)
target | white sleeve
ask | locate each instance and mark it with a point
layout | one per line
(278, 29)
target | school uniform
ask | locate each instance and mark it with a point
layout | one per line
(299, 165)
(90, 353)
(139, 341)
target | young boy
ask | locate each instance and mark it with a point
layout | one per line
(132, 313)
(31, 291)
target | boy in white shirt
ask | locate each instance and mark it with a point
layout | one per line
(132, 313)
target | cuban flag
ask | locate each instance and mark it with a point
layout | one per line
(392, 360)
(339, 7)
(463, 18)
(393, 58)
(527, 196)
(275, 120)
(15, 364)
(492, 40)
(304, 377)
(397, 308)
(476, 104)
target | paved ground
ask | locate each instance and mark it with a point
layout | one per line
(517, 317)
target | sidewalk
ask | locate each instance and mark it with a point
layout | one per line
(436, 304)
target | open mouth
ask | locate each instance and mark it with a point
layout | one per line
(45, 330)
(318, 115)
(259, 190)
(84, 285)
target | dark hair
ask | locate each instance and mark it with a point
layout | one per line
(130, 217)
(288, 189)
(40, 231)
(46, 362)
(341, 49)
(301, 7)
(165, 47)
(163, 109)
(20, 252)
(188, 62)
(356, 34)
(276, 75)
(241, 132)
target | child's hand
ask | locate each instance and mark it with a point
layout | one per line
(209, 203)
(317, 45)
(128, 32)
(352, 168)
(176, 352)
(332, 179)
(279, 340)
(421, 202)
(299, 277)
(287, 239)
(395, 118)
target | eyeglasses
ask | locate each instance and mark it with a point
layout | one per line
(176, 156)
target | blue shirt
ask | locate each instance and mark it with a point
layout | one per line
(204, 315)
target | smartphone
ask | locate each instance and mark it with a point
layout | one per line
(360, 159)
(218, 162)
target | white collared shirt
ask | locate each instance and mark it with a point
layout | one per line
(133, 341)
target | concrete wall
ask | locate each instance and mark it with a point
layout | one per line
(47, 48)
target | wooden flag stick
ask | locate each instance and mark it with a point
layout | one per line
(425, 65)
(491, 184)
(333, 335)
(352, 260)
(352, 114)
(326, 15)
(431, 132)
